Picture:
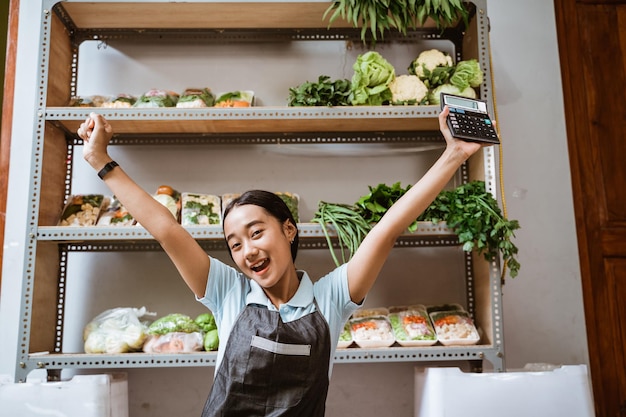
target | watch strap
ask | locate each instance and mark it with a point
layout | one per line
(107, 168)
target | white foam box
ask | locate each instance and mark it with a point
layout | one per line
(104, 395)
(564, 391)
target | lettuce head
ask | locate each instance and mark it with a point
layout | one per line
(371, 79)
(467, 74)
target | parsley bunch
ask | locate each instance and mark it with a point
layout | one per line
(324, 92)
(475, 216)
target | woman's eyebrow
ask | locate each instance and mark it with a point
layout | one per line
(248, 225)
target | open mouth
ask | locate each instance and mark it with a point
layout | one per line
(259, 266)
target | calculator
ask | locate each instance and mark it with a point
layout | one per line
(468, 119)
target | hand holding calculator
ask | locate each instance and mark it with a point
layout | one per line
(468, 119)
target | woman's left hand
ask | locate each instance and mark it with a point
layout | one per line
(468, 148)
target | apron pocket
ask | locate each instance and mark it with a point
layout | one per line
(277, 374)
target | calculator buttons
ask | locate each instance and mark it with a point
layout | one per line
(467, 125)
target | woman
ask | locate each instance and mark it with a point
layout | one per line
(278, 330)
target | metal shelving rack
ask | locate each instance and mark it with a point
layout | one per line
(65, 24)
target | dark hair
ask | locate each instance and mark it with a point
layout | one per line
(273, 204)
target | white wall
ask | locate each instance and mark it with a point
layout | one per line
(543, 313)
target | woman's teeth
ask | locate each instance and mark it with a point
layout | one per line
(260, 265)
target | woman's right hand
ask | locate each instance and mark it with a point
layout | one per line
(96, 133)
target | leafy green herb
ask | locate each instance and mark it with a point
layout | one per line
(351, 228)
(378, 16)
(324, 92)
(475, 216)
(375, 204)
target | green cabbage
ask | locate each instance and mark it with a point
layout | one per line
(435, 95)
(371, 79)
(467, 74)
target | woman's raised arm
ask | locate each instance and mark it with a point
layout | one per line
(187, 255)
(368, 260)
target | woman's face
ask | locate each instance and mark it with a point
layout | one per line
(260, 245)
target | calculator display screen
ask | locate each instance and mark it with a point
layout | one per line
(465, 103)
(455, 101)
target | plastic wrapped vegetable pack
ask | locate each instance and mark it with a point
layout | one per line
(196, 98)
(200, 209)
(174, 333)
(113, 213)
(371, 328)
(170, 198)
(412, 327)
(292, 200)
(157, 98)
(82, 210)
(244, 98)
(117, 330)
(454, 327)
(345, 338)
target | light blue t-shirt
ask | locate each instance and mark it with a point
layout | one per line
(229, 291)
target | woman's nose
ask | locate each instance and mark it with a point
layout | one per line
(250, 251)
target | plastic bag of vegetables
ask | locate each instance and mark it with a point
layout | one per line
(117, 330)
(174, 333)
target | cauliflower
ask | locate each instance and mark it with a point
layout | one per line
(435, 95)
(433, 67)
(408, 89)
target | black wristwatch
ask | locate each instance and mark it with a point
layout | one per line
(107, 168)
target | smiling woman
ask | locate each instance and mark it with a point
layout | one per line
(277, 329)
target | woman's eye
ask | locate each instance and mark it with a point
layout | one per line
(235, 246)
(256, 233)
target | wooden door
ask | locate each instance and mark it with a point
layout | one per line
(7, 113)
(592, 48)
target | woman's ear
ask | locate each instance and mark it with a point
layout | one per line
(290, 230)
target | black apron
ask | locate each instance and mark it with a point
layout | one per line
(272, 368)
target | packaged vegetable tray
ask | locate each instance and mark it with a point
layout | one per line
(244, 98)
(193, 98)
(113, 213)
(157, 98)
(82, 210)
(454, 327)
(200, 209)
(370, 312)
(412, 326)
(345, 338)
(170, 198)
(372, 332)
(226, 199)
(292, 200)
(121, 101)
